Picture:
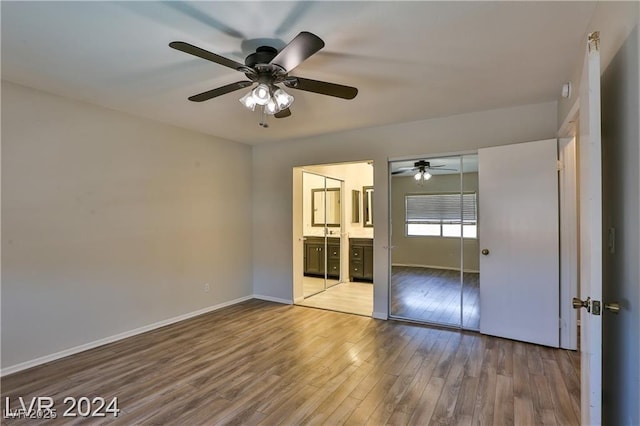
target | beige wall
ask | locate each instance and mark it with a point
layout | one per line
(111, 223)
(434, 252)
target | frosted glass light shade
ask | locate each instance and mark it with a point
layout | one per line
(422, 175)
(283, 99)
(249, 101)
(261, 94)
(271, 107)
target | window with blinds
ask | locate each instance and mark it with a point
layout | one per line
(441, 215)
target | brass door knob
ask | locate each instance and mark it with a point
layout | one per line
(613, 307)
(577, 303)
(485, 251)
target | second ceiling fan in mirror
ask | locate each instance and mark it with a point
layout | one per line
(422, 168)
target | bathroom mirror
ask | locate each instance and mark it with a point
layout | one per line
(325, 207)
(367, 206)
(355, 206)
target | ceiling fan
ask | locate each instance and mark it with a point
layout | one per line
(269, 67)
(422, 167)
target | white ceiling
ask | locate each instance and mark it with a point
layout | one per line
(409, 60)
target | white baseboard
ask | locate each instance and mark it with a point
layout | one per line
(380, 315)
(434, 267)
(81, 348)
(273, 299)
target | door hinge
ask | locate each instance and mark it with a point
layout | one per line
(612, 240)
(559, 165)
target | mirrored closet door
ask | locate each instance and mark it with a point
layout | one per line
(434, 239)
(322, 211)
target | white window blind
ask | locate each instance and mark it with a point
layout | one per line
(434, 214)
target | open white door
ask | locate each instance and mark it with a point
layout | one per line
(518, 217)
(590, 178)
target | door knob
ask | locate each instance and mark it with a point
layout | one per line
(485, 251)
(613, 307)
(577, 303)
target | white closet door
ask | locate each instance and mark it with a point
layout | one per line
(519, 237)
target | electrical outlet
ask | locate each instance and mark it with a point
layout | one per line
(206, 287)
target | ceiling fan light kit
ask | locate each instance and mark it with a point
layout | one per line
(421, 168)
(273, 101)
(268, 67)
(422, 176)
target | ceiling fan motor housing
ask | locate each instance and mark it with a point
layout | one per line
(262, 70)
(262, 55)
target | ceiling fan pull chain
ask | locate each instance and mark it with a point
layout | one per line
(263, 122)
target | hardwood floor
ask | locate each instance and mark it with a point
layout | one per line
(312, 285)
(315, 285)
(433, 295)
(352, 298)
(264, 363)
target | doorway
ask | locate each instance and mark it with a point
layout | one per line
(332, 221)
(434, 238)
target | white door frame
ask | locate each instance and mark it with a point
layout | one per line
(569, 259)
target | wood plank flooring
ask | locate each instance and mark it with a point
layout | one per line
(352, 298)
(315, 285)
(433, 295)
(264, 363)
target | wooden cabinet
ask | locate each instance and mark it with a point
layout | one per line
(360, 259)
(314, 257)
(333, 257)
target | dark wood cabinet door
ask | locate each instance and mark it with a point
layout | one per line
(334, 268)
(355, 269)
(334, 251)
(361, 259)
(314, 259)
